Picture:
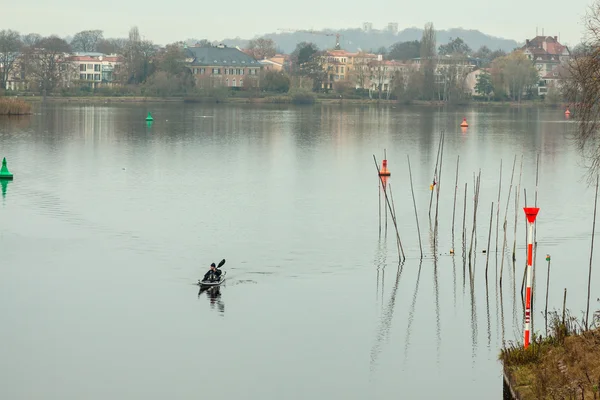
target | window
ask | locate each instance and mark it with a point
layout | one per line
(195, 70)
(342, 71)
(226, 71)
(231, 71)
(82, 76)
(90, 66)
(216, 71)
(96, 67)
(226, 79)
(233, 84)
(202, 71)
(82, 67)
(96, 77)
(241, 82)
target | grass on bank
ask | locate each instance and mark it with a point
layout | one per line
(11, 106)
(563, 365)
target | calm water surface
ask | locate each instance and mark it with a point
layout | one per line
(110, 222)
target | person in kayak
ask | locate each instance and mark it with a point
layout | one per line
(213, 274)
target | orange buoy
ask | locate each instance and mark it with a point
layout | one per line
(464, 123)
(567, 113)
(384, 171)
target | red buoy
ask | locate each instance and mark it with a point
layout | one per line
(464, 123)
(384, 171)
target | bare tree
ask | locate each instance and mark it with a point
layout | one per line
(582, 89)
(514, 74)
(111, 46)
(428, 60)
(378, 76)
(86, 41)
(10, 44)
(262, 48)
(138, 56)
(360, 71)
(31, 39)
(47, 63)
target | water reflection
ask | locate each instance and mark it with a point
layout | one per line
(383, 332)
(411, 314)
(213, 294)
(4, 183)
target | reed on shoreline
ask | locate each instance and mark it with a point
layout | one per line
(12, 106)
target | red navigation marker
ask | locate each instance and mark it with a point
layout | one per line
(531, 213)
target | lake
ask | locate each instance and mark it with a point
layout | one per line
(110, 222)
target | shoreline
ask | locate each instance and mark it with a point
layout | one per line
(271, 100)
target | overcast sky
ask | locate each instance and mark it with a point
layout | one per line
(166, 22)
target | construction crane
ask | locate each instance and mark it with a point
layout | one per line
(311, 31)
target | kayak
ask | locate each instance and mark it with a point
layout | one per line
(215, 283)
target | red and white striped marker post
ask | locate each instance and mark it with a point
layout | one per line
(530, 213)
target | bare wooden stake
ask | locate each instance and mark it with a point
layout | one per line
(547, 289)
(412, 190)
(379, 186)
(505, 218)
(564, 306)
(437, 199)
(455, 190)
(517, 211)
(435, 174)
(475, 202)
(587, 312)
(487, 256)
(464, 220)
(498, 211)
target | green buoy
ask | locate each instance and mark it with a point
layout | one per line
(149, 117)
(4, 173)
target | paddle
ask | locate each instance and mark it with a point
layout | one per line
(221, 263)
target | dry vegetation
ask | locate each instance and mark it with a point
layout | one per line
(10, 106)
(565, 365)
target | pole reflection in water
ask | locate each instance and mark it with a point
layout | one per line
(411, 314)
(383, 332)
(214, 297)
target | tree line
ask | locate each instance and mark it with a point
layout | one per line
(154, 70)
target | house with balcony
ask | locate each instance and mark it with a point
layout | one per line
(221, 66)
(94, 69)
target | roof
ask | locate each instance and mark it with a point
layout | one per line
(268, 61)
(95, 59)
(219, 56)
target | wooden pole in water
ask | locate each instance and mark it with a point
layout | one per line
(379, 191)
(475, 201)
(437, 199)
(435, 174)
(498, 212)
(517, 211)
(390, 208)
(505, 218)
(393, 212)
(464, 220)
(547, 288)
(454, 206)
(487, 258)
(587, 312)
(412, 190)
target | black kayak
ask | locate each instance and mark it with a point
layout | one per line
(213, 283)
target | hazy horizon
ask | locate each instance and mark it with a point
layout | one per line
(180, 21)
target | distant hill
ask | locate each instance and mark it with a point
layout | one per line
(354, 39)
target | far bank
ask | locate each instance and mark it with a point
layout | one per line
(288, 100)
